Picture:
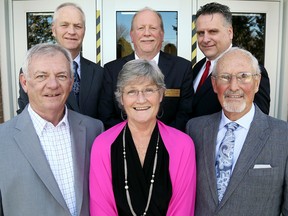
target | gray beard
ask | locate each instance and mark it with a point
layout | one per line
(234, 106)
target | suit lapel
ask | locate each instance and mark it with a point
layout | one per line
(87, 75)
(196, 69)
(129, 57)
(255, 141)
(207, 85)
(165, 64)
(72, 103)
(209, 140)
(29, 144)
(79, 151)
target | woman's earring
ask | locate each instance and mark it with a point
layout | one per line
(123, 115)
(160, 115)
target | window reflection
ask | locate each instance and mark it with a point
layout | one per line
(39, 28)
(123, 40)
(249, 33)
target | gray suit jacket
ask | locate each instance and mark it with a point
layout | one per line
(251, 192)
(27, 184)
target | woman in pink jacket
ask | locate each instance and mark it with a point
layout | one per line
(142, 166)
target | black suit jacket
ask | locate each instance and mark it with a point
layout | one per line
(205, 100)
(91, 81)
(176, 109)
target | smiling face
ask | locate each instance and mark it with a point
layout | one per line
(236, 98)
(68, 29)
(140, 108)
(48, 84)
(214, 34)
(147, 34)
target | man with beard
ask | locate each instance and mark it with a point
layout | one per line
(241, 152)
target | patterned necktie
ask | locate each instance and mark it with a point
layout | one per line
(224, 160)
(76, 84)
(205, 74)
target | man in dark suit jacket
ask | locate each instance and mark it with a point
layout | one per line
(70, 36)
(147, 35)
(214, 36)
(256, 170)
(45, 150)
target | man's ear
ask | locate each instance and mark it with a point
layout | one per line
(213, 81)
(257, 85)
(53, 30)
(23, 82)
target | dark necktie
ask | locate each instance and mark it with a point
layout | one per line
(224, 159)
(76, 84)
(205, 74)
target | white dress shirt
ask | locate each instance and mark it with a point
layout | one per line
(155, 59)
(56, 144)
(240, 133)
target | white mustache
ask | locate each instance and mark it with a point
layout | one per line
(237, 93)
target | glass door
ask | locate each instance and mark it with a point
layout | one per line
(116, 19)
(32, 24)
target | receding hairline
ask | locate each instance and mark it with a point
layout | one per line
(238, 53)
(68, 4)
(151, 10)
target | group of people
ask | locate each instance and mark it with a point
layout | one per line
(146, 135)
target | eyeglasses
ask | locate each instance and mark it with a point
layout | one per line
(243, 77)
(147, 92)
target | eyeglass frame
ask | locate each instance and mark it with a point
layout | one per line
(134, 93)
(238, 77)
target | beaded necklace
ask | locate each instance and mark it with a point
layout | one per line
(126, 174)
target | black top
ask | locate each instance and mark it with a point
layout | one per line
(139, 178)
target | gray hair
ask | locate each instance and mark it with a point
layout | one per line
(148, 9)
(45, 49)
(213, 8)
(252, 59)
(135, 69)
(67, 4)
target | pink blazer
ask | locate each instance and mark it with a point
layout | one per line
(182, 168)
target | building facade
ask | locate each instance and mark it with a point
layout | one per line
(108, 21)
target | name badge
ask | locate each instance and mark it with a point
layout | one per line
(172, 93)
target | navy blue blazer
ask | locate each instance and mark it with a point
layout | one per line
(176, 106)
(91, 80)
(205, 100)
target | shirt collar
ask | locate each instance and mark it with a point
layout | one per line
(244, 121)
(156, 58)
(77, 59)
(40, 124)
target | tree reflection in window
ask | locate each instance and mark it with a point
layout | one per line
(39, 28)
(249, 33)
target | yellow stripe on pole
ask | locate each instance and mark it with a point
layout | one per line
(98, 38)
